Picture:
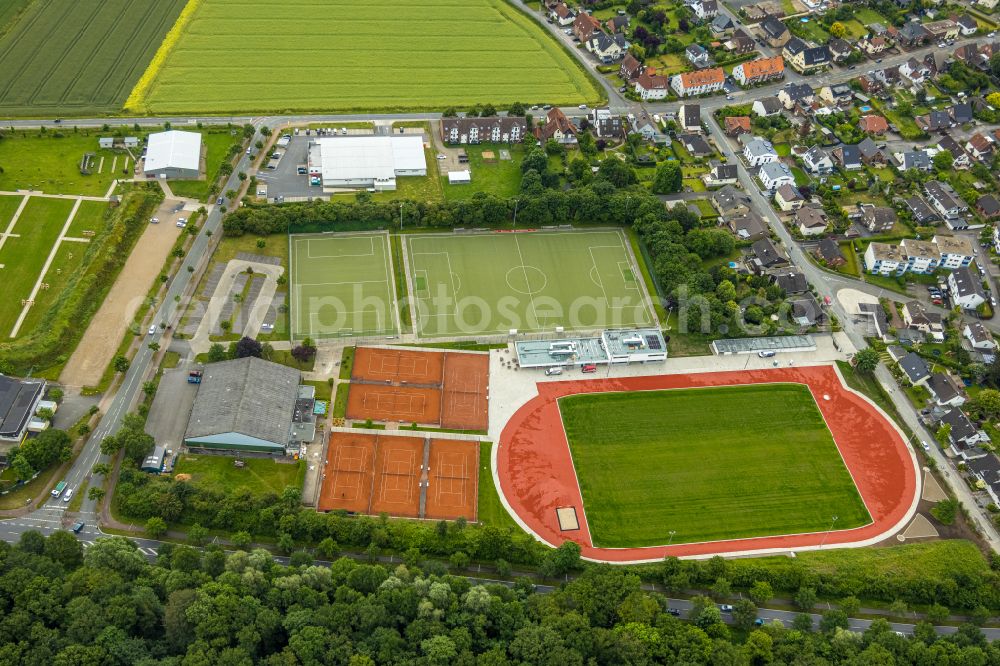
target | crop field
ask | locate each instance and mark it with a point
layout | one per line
(353, 54)
(75, 58)
(705, 464)
(341, 285)
(23, 255)
(491, 283)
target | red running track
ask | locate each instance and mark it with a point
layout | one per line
(537, 476)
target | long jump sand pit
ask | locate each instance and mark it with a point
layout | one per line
(100, 342)
(453, 479)
(394, 403)
(397, 366)
(464, 404)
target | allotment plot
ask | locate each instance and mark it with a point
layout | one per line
(341, 286)
(535, 281)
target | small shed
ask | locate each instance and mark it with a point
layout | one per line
(459, 177)
(463, 157)
(106, 142)
(154, 461)
(131, 141)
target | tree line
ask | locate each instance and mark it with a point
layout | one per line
(64, 606)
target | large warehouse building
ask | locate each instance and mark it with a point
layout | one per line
(173, 154)
(251, 405)
(367, 161)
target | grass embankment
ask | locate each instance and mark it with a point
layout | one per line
(707, 464)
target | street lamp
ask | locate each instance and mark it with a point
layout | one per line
(516, 202)
(672, 533)
(834, 522)
(400, 215)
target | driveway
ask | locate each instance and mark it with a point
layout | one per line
(168, 416)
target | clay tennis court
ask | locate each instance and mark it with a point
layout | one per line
(464, 403)
(374, 474)
(396, 490)
(538, 478)
(381, 402)
(453, 479)
(445, 389)
(397, 366)
(349, 473)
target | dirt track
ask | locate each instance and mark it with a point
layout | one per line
(99, 343)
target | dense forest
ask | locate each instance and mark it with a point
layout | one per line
(61, 605)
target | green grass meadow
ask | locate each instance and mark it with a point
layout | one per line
(395, 54)
(216, 146)
(490, 283)
(90, 216)
(52, 165)
(341, 285)
(74, 58)
(708, 464)
(24, 255)
(218, 473)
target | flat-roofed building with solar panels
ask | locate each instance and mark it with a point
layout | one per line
(346, 162)
(250, 405)
(644, 345)
(19, 399)
(775, 343)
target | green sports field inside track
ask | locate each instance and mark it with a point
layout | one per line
(469, 284)
(707, 464)
(341, 286)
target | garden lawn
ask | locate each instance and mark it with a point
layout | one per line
(352, 54)
(90, 216)
(707, 464)
(75, 58)
(42, 162)
(501, 178)
(216, 146)
(260, 475)
(23, 256)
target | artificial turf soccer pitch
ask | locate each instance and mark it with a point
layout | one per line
(474, 284)
(360, 55)
(707, 464)
(342, 285)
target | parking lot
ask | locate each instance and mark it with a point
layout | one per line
(285, 181)
(171, 408)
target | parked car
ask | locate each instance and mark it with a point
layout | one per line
(726, 608)
(765, 354)
(927, 447)
(68, 495)
(673, 611)
(590, 367)
(549, 372)
(152, 329)
(78, 527)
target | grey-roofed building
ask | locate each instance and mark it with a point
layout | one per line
(987, 469)
(153, 463)
(806, 310)
(919, 210)
(945, 391)
(876, 313)
(774, 31)
(731, 201)
(748, 227)
(778, 344)
(965, 289)
(245, 404)
(961, 113)
(766, 255)
(913, 159)
(767, 106)
(18, 400)
(964, 435)
(484, 129)
(695, 144)
(792, 282)
(721, 25)
(915, 368)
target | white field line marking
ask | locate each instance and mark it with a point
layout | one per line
(10, 227)
(45, 269)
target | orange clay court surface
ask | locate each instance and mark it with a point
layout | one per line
(372, 473)
(445, 389)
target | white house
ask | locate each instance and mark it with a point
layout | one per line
(759, 151)
(701, 82)
(979, 337)
(921, 256)
(775, 174)
(817, 161)
(652, 86)
(884, 259)
(965, 289)
(955, 251)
